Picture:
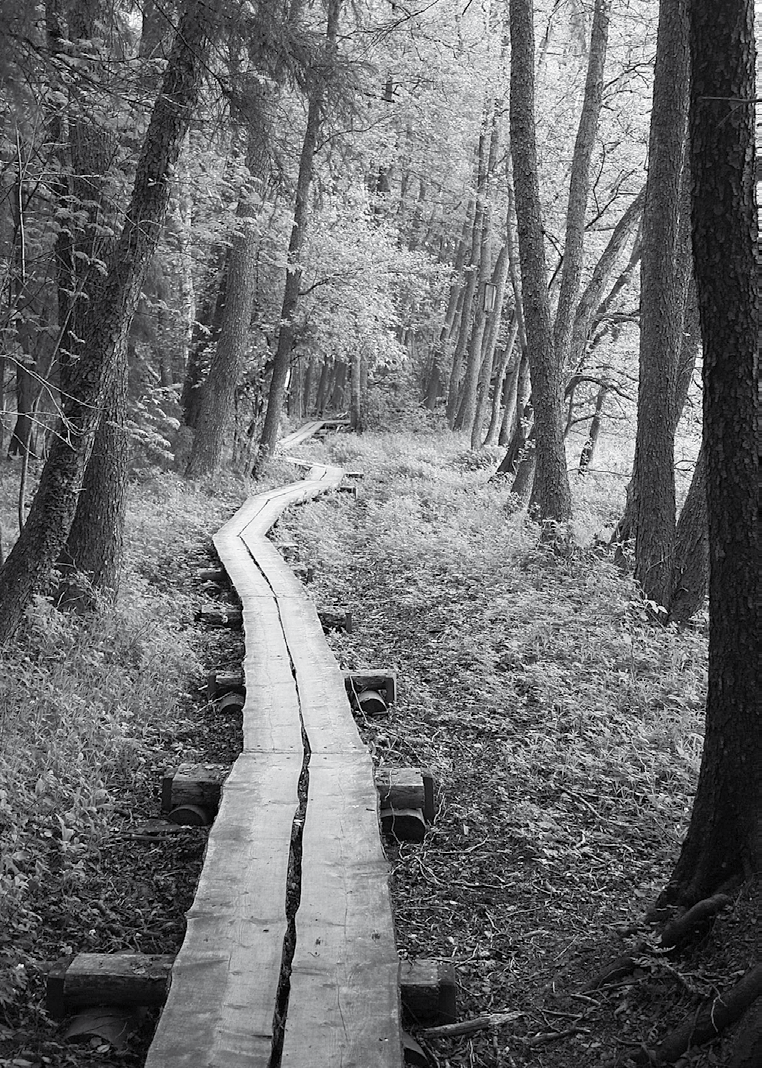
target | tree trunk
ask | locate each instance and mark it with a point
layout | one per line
(592, 298)
(321, 398)
(39, 545)
(724, 840)
(691, 569)
(488, 346)
(588, 449)
(217, 401)
(665, 270)
(482, 315)
(338, 391)
(94, 546)
(472, 277)
(551, 497)
(206, 331)
(579, 184)
(517, 408)
(286, 334)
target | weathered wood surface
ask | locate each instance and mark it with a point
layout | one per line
(344, 1003)
(107, 979)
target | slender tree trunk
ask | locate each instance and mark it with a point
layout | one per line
(517, 409)
(206, 331)
(40, 543)
(579, 184)
(482, 315)
(588, 449)
(472, 277)
(293, 281)
(665, 270)
(592, 298)
(323, 383)
(551, 496)
(724, 840)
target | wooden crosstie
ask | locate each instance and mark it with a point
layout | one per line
(295, 879)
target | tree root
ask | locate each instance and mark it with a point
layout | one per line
(673, 935)
(708, 1022)
(747, 1047)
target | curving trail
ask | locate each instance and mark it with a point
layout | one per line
(289, 955)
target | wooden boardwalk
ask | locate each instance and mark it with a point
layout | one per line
(292, 915)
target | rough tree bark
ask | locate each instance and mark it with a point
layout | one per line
(724, 840)
(665, 271)
(217, 394)
(551, 496)
(34, 554)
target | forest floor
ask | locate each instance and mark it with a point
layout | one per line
(562, 727)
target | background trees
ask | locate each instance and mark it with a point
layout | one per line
(387, 273)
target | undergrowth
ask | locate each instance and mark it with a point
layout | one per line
(81, 699)
(562, 726)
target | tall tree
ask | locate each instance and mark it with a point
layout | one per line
(724, 841)
(287, 332)
(29, 564)
(551, 496)
(579, 184)
(665, 272)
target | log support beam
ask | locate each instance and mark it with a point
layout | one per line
(406, 795)
(428, 988)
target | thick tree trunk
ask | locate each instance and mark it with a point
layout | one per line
(339, 387)
(724, 840)
(217, 401)
(665, 271)
(551, 497)
(29, 564)
(94, 546)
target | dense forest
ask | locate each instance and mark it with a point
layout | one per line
(516, 245)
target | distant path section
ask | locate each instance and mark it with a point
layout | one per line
(289, 956)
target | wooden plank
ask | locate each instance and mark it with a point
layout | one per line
(344, 1002)
(325, 709)
(300, 435)
(344, 1006)
(221, 1003)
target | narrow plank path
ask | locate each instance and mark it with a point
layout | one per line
(299, 810)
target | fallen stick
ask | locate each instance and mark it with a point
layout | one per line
(470, 1027)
